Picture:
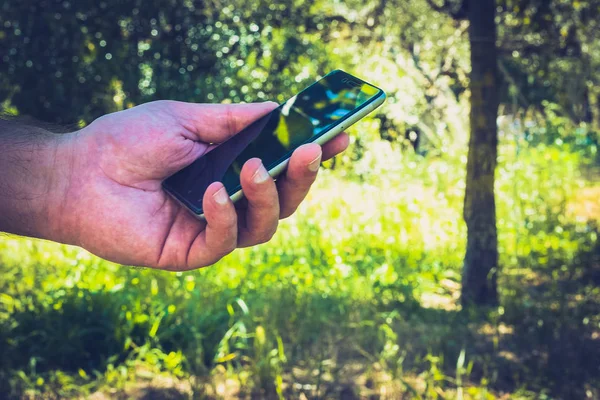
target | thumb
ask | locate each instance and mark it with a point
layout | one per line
(215, 123)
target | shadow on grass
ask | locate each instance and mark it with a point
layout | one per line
(80, 330)
(555, 318)
(545, 340)
(158, 394)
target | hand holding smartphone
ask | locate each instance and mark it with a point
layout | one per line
(316, 114)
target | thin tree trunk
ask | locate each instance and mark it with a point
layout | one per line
(481, 258)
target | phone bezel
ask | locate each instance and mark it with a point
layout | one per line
(322, 138)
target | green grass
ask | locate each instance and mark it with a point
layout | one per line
(356, 295)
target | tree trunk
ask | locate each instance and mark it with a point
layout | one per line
(481, 258)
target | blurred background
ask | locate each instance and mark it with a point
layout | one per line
(400, 277)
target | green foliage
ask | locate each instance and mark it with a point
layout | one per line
(57, 52)
(356, 295)
(550, 54)
(347, 280)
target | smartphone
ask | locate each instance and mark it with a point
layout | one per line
(316, 114)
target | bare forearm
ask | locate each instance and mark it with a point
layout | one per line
(33, 178)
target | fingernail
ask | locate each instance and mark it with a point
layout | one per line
(261, 174)
(314, 165)
(221, 196)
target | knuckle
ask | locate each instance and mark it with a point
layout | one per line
(270, 235)
(224, 248)
(264, 196)
(301, 184)
(309, 180)
(225, 222)
(202, 263)
(229, 247)
(207, 262)
(287, 213)
(266, 236)
(211, 259)
(230, 224)
(265, 206)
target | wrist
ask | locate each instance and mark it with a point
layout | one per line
(59, 169)
(36, 170)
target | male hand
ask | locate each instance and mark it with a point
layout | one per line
(114, 206)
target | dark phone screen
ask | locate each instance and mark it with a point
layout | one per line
(273, 137)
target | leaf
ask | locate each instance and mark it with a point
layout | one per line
(280, 349)
(9, 302)
(226, 358)
(243, 306)
(260, 336)
(155, 326)
(6, 299)
(461, 359)
(154, 287)
(116, 288)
